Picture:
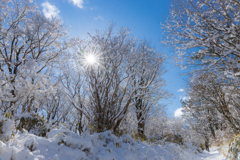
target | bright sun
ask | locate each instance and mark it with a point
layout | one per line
(91, 59)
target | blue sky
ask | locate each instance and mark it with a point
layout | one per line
(143, 17)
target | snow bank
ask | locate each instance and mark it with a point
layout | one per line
(62, 144)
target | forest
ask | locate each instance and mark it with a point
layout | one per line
(101, 97)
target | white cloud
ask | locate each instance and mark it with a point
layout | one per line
(98, 17)
(50, 10)
(178, 113)
(184, 98)
(78, 3)
(180, 90)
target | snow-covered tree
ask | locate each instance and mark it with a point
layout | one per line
(206, 33)
(213, 107)
(109, 68)
(29, 47)
(75, 93)
(150, 64)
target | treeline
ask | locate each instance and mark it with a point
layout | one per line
(206, 34)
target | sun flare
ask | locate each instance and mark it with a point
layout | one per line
(91, 59)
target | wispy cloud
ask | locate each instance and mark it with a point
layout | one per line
(78, 3)
(50, 10)
(98, 17)
(180, 90)
(178, 113)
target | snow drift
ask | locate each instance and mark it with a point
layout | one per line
(62, 144)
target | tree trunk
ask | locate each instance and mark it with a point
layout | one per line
(141, 125)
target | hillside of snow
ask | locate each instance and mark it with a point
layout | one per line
(62, 144)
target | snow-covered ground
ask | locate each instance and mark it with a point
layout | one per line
(63, 144)
(214, 154)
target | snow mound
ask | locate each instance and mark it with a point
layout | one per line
(62, 144)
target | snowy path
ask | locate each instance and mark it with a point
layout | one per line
(212, 155)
